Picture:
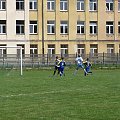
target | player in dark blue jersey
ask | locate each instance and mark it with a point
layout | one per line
(87, 66)
(62, 66)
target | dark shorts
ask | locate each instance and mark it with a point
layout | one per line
(61, 69)
(88, 69)
(56, 68)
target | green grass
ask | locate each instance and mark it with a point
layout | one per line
(37, 96)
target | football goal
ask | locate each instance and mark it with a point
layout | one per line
(11, 58)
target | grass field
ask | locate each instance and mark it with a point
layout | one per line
(37, 96)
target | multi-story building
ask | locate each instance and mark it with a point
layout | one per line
(60, 26)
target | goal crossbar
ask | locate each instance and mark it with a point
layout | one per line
(18, 47)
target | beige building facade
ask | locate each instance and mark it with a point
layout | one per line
(60, 26)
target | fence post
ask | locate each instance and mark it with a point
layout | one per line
(61, 54)
(76, 55)
(117, 59)
(101, 65)
(47, 58)
(103, 57)
(32, 60)
(3, 61)
(38, 65)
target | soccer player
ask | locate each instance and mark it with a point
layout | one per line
(87, 66)
(79, 62)
(57, 61)
(62, 66)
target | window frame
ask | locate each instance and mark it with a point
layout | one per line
(93, 3)
(81, 49)
(51, 50)
(110, 48)
(118, 27)
(34, 26)
(79, 3)
(109, 9)
(2, 27)
(23, 50)
(118, 5)
(64, 4)
(80, 25)
(64, 49)
(50, 27)
(51, 5)
(20, 27)
(20, 5)
(64, 27)
(33, 2)
(2, 5)
(109, 28)
(33, 49)
(93, 27)
(3, 50)
(93, 49)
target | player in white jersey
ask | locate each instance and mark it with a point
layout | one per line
(79, 62)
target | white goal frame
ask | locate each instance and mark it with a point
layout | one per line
(18, 47)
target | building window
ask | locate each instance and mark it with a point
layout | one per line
(3, 51)
(2, 4)
(93, 27)
(119, 5)
(2, 26)
(19, 26)
(23, 50)
(80, 27)
(63, 5)
(51, 50)
(93, 5)
(19, 4)
(33, 27)
(109, 5)
(64, 27)
(93, 49)
(119, 27)
(50, 27)
(109, 27)
(80, 5)
(81, 49)
(33, 49)
(64, 50)
(33, 4)
(110, 48)
(50, 5)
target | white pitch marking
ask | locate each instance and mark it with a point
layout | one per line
(42, 93)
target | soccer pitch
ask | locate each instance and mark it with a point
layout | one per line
(38, 96)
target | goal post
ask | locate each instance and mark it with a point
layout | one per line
(2, 52)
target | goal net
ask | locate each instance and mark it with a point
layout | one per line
(11, 60)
